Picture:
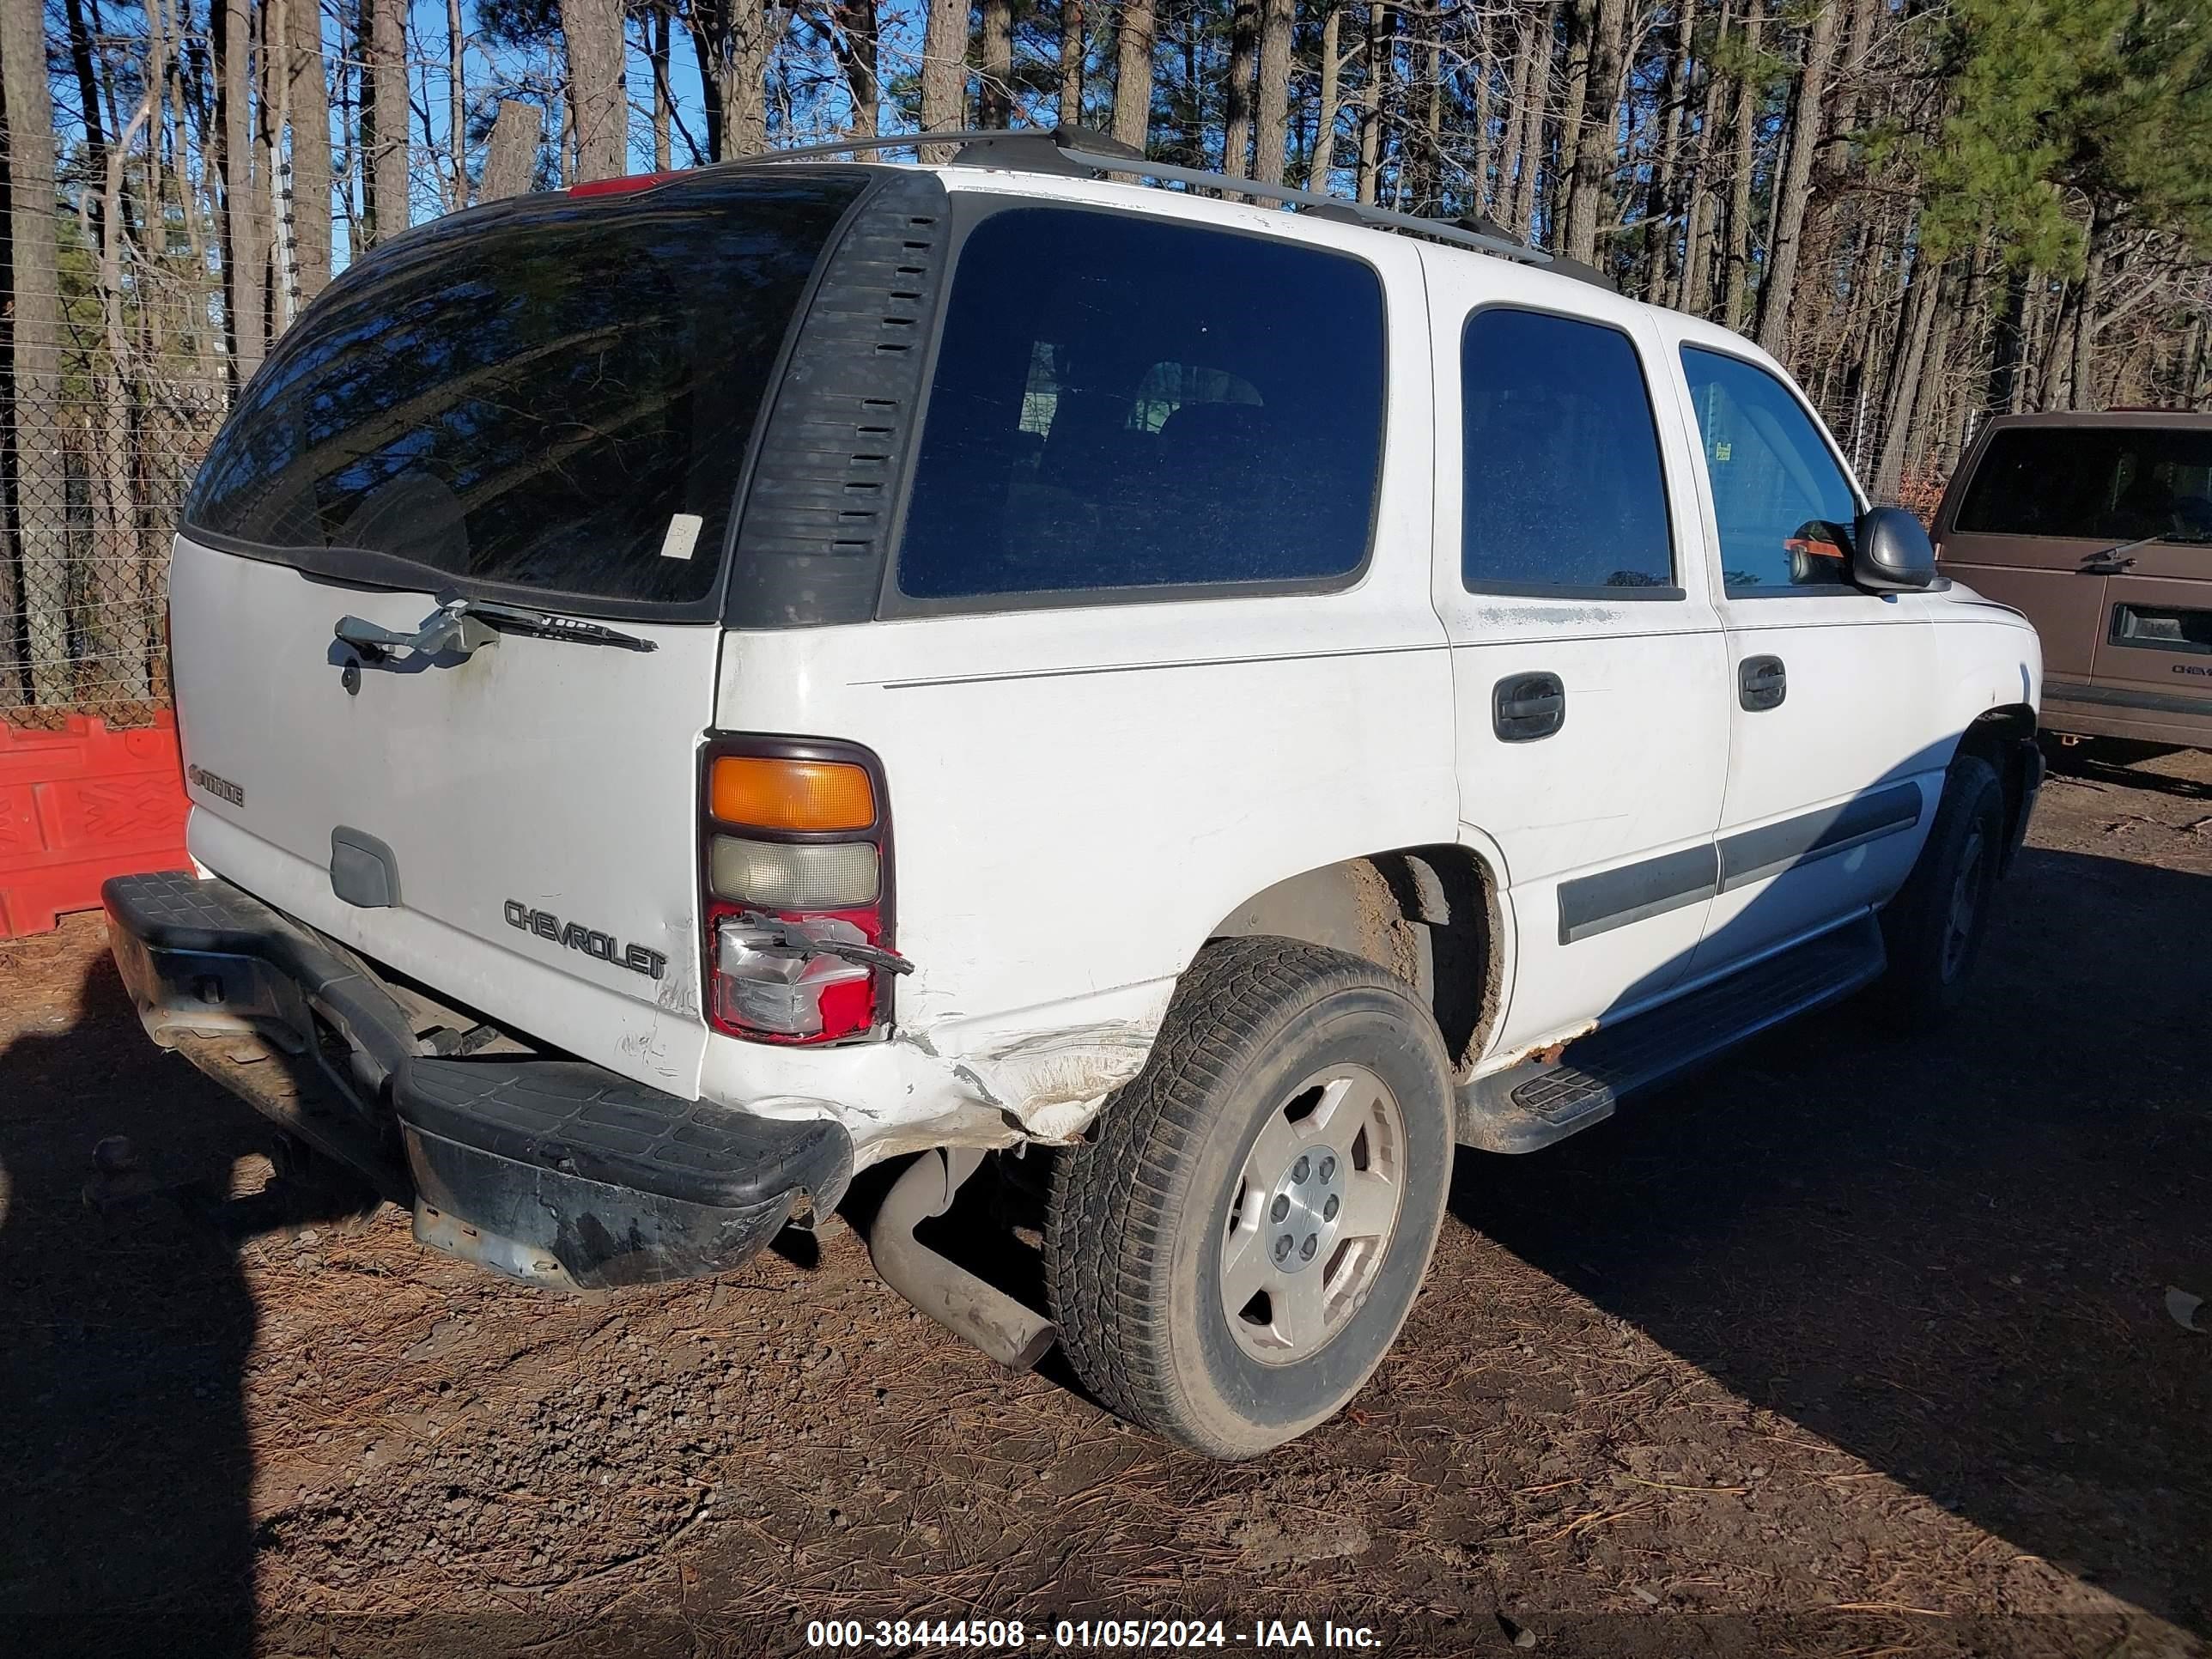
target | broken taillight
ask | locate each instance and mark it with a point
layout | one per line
(794, 848)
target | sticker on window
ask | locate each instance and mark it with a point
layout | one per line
(683, 535)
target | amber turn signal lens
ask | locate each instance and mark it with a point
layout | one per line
(768, 793)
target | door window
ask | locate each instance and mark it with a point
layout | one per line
(2105, 483)
(1785, 508)
(1122, 404)
(1561, 486)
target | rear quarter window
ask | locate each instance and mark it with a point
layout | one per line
(1124, 405)
(559, 399)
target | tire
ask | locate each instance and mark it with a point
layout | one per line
(1272, 1053)
(1934, 929)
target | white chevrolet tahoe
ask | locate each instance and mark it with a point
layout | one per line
(695, 686)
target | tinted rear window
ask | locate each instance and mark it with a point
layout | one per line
(1123, 403)
(2105, 483)
(1560, 458)
(559, 400)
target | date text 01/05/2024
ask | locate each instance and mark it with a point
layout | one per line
(1262, 1635)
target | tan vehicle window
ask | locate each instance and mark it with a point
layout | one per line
(2106, 484)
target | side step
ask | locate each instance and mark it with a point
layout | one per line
(1538, 1102)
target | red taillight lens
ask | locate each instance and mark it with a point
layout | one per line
(794, 858)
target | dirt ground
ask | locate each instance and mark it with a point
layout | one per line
(1849, 1346)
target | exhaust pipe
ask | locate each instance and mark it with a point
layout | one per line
(978, 1313)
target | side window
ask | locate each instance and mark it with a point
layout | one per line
(2109, 483)
(1560, 466)
(1785, 508)
(1125, 403)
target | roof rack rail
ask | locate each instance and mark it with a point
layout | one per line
(1079, 152)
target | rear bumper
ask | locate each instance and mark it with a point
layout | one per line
(554, 1171)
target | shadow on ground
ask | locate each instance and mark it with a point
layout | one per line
(1948, 1256)
(125, 1471)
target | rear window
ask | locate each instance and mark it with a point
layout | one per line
(2103, 483)
(1559, 460)
(559, 400)
(1122, 403)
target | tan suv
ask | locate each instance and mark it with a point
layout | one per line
(2100, 527)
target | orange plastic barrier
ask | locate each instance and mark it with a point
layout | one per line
(79, 806)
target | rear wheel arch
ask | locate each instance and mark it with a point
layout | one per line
(1428, 914)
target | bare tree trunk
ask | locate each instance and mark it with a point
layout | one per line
(84, 17)
(384, 131)
(308, 99)
(2057, 344)
(995, 100)
(41, 468)
(1531, 95)
(944, 71)
(2086, 322)
(1272, 126)
(244, 257)
(511, 154)
(1484, 64)
(1905, 382)
(1132, 72)
(1581, 17)
(1789, 224)
(657, 49)
(1320, 164)
(1382, 53)
(1070, 63)
(1236, 101)
(1660, 203)
(1926, 429)
(112, 640)
(1695, 293)
(457, 101)
(1744, 136)
(1425, 157)
(593, 31)
(1596, 152)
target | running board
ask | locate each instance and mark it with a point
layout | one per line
(1540, 1101)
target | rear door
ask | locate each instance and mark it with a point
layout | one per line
(1587, 661)
(546, 404)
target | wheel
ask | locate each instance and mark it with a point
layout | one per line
(1934, 927)
(1232, 1254)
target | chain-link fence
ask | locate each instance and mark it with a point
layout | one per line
(115, 371)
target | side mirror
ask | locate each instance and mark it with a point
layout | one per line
(1891, 553)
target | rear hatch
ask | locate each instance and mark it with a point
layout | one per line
(543, 409)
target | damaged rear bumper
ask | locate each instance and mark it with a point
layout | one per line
(554, 1171)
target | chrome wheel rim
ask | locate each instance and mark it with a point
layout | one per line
(1966, 908)
(1311, 1214)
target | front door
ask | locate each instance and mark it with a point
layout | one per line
(1832, 773)
(1587, 660)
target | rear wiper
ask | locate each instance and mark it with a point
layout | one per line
(459, 626)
